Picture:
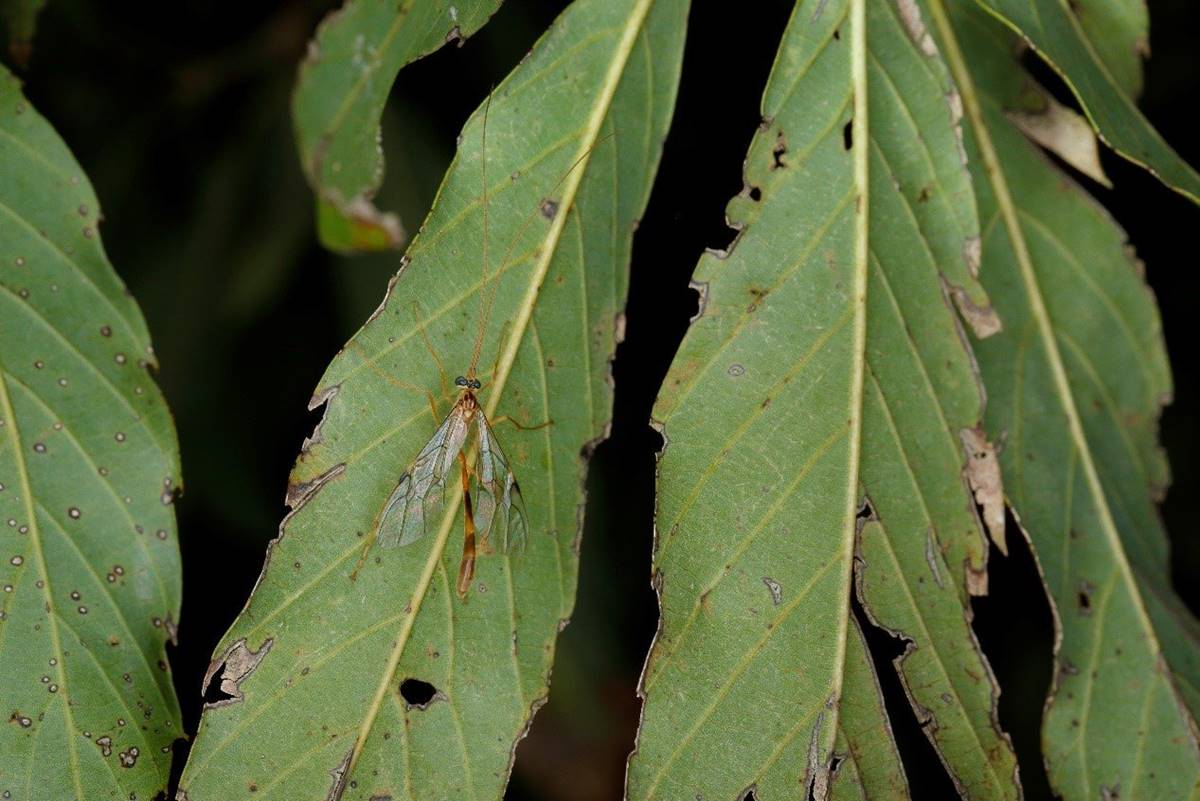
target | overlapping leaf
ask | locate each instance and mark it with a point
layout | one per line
(1054, 30)
(314, 666)
(1076, 380)
(870, 766)
(1119, 32)
(340, 94)
(88, 472)
(827, 374)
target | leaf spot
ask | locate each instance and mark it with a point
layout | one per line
(931, 558)
(983, 477)
(775, 589)
(128, 758)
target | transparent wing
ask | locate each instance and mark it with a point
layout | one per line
(419, 493)
(498, 502)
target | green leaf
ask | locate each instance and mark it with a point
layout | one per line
(1057, 34)
(1119, 32)
(1076, 381)
(88, 472)
(314, 665)
(870, 766)
(827, 364)
(340, 94)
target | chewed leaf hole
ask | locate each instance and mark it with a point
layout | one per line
(1085, 598)
(419, 694)
(865, 512)
(778, 152)
(223, 681)
(213, 694)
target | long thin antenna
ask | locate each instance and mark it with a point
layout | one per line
(484, 304)
(490, 293)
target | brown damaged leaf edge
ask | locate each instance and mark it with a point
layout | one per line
(914, 25)
(982, 472)
(983, 319)
(925, 716)
(237, 663)
(315, 403)
(656, 583)
(652, 654)
(298, 493)
(339, 775)
(358, 225)
(585, 457)
(701, 288)
(818, 772)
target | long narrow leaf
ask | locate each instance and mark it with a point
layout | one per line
(826, 375)
(870, 767)
(1076, 381)
(315, 668)
(89, 468)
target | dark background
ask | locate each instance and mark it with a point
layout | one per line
(181, 119)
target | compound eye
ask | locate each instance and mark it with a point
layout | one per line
(462, 381)
(476, 384)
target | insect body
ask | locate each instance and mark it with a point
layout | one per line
(421, 490)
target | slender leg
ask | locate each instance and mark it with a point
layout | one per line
(466, 568)
(363, 556)
(495, 367)
(396, 382)
(504, 418)
(420, 321)
(500, 342)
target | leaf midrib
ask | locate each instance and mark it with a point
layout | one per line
(1010, 217)
(504, 366)
(8, 413)
(861, 131)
